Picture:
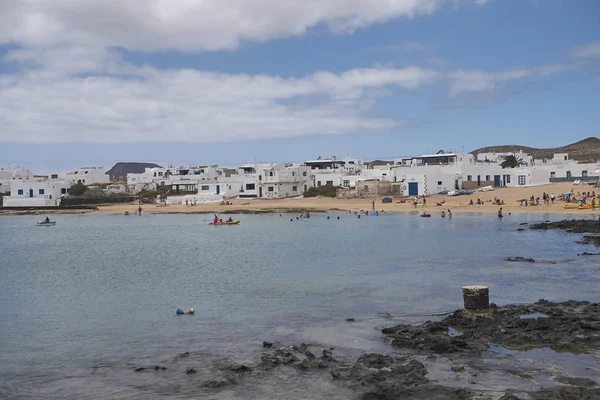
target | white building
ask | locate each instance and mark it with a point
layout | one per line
(13, 175)
(275, 181)
(85, 175)
(37, 194)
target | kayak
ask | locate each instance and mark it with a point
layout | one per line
(44, 223)
(225, 223)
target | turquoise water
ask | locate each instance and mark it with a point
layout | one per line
(84, 303)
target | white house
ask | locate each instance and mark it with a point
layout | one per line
(37, 194)
(276, 181)
(14, 175)
(85, 175)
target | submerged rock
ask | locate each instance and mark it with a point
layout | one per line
(520, 259)
(595, 240)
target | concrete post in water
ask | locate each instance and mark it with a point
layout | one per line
(476, 297)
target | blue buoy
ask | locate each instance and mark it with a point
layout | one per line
(179, 311)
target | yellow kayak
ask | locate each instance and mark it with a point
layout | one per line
(578, 207)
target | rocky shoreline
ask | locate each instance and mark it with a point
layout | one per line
(575, 226)
(462, 340)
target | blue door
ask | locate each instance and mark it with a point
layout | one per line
(30, 192)
(218, 189)
(496, 180)
(478, 180)
(413, 188)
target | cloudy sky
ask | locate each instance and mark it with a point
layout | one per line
(92, 82)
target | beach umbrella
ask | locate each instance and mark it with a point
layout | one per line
(567, 193)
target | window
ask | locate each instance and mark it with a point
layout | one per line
(318, 183)
(440, 183)
(346, 183)
(469, 178)
(250, 186)
(259, 178)
(204, 187)
(329, 183)
(304, 173)
(583, 174)
(270, 173)
(270, 188)
(552, 174)
(521, 179)
(155, 174)
(366, 188)
(293, 173)
(487, 178)
(160, 174)
(20, 191)
(63, 191)
(133, 179)
(54, 176)
(506, 179)
(305, 188)
(41, 191)
(294, 188)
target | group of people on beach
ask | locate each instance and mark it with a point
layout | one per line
(190, 203)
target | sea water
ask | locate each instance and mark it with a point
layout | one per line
(86, 302)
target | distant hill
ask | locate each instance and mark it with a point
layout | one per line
(378, 162)
(121, 169)
(586, 150)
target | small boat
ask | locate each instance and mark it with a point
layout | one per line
(425, 215)
(585, 207)
(236, 222)
(46, 223)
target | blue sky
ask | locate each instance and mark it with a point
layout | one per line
(229, 82)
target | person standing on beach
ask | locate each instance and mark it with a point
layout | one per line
(424, 201)
(373, 205)
(140, 210)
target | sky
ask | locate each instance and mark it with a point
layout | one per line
(90, 83)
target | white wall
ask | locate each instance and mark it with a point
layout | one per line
(43, 194)
(87, 176)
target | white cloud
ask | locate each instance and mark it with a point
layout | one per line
(590, 50)
(80, 95)
(465, 81)
(190, 25)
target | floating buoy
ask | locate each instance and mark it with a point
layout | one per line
(181, 312)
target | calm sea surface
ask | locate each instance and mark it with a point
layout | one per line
(84, 303)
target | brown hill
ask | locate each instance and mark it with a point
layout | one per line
(586, 150)
(121, 169)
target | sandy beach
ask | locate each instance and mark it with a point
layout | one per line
(510, 196)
